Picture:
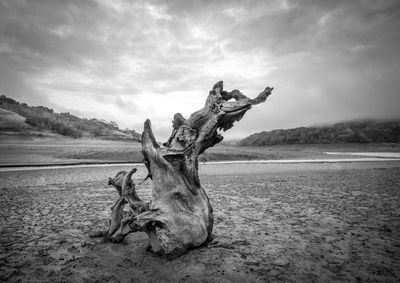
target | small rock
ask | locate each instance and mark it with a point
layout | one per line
(273, 272)
(281, 262)
(73, 250)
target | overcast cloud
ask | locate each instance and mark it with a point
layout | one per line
(127, 61)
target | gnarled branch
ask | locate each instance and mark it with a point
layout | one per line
(180, 215)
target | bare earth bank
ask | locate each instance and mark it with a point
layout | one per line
(36, 151)
(273, 222)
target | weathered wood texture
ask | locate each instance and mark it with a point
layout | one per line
(180, 215)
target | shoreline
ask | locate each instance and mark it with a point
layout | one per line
(27, 167)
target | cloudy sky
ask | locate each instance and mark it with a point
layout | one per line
(126, 61)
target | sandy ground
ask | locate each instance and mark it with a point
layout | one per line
(273, 222)
(25, 151)
(66, 151)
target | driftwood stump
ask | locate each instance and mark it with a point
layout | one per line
(180, 215)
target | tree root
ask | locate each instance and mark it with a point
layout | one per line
(180, 216)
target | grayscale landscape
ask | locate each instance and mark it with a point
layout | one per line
(199, 141)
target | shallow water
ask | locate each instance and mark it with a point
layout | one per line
(372, 154)
(390, 157)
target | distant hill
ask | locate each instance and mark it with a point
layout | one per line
(346, 132)
(20, 117)
(11, 121)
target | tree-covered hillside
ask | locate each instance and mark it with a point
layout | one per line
(66, 124)
(346, 132)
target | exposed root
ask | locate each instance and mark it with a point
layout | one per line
(180, 216)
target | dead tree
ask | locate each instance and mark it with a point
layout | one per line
(180, 215)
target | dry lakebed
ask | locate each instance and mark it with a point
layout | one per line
(274, 222)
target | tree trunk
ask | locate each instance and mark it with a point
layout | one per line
(180, 215)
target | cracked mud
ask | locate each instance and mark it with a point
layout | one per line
(292, 223)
